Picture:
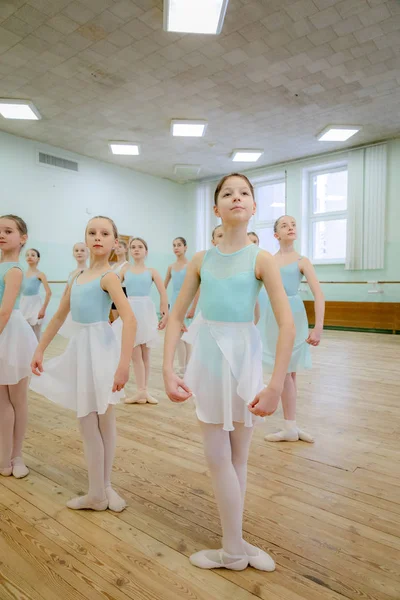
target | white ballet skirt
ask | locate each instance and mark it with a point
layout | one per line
(225, 372)
(192, 331)
(30, 307)
(82, 377)
(17, 346)
(68, 328)
(147, 322)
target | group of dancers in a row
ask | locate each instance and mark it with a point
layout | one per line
(220, 352)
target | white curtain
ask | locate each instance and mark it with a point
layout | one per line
(205, 218)
(367, 173)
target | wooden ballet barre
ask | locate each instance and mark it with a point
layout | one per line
(58, 281)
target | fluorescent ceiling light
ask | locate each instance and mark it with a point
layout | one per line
(188, 128)
(125, 148)
(18, 109)
(194, 16)
(277, 205)
(246, 155)
(338, 133)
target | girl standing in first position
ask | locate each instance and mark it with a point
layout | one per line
(292, 268)
(224, 374)
(90, 375)
(32, 307)
(17, 345)
(80, 253)
(138, 280)
(121, 252)
(177, 272)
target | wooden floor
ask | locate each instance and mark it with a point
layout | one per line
(329, 513)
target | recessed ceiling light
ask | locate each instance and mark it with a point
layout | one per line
(188, 128)
(338, 133)
(243, 155)
(125, 148)
(194, 16)
(18, 109)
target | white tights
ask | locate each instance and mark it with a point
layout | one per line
(13, 421)
(227, 453)
(183, 351)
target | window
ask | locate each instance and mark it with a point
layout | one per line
(327, 215)
(270, 196)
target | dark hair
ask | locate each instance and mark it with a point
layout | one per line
(182, 240)
(138, 239)
(20, 223)
(214, 230)
(224, 179)
(34, 250)
(115, 230)
(277, 222)
(255, 235)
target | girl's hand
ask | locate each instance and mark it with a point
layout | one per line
(42, 313)
(265, 403)
(163, 322)
(37, 362)
(184, 328)
(314, 337)
(120, 378)
(175, 387)
(190, 314)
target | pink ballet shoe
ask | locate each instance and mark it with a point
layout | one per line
(85, 503)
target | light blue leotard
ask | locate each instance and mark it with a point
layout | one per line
(138, 284)
(89, 302)
(4, 268)
(229, 288)
(30, 286)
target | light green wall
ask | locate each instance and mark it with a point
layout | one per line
(54, 204)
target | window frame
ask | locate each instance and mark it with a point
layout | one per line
(312, 218)
(258, 224)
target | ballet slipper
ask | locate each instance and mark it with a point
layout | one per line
(219, 559)
(115, 502)
(138, 398)
(258, 559)
(6, 472)
(85, 503)
(150, 399)
(289, 435)
(19, 468)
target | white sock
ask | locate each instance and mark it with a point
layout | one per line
(289, 425)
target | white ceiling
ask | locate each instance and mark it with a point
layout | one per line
(281, 70)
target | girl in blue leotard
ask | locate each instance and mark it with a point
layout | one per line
(224, 374)
(293, 267)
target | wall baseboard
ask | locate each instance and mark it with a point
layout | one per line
(379, 317)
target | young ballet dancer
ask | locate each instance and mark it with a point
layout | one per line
(33, 309)
(80, 253)
(292, 267)
(122, 254)
(17, 345)
(253, 237)
(177, 272)
(90, 375)
(224, 374)
(138, 280)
